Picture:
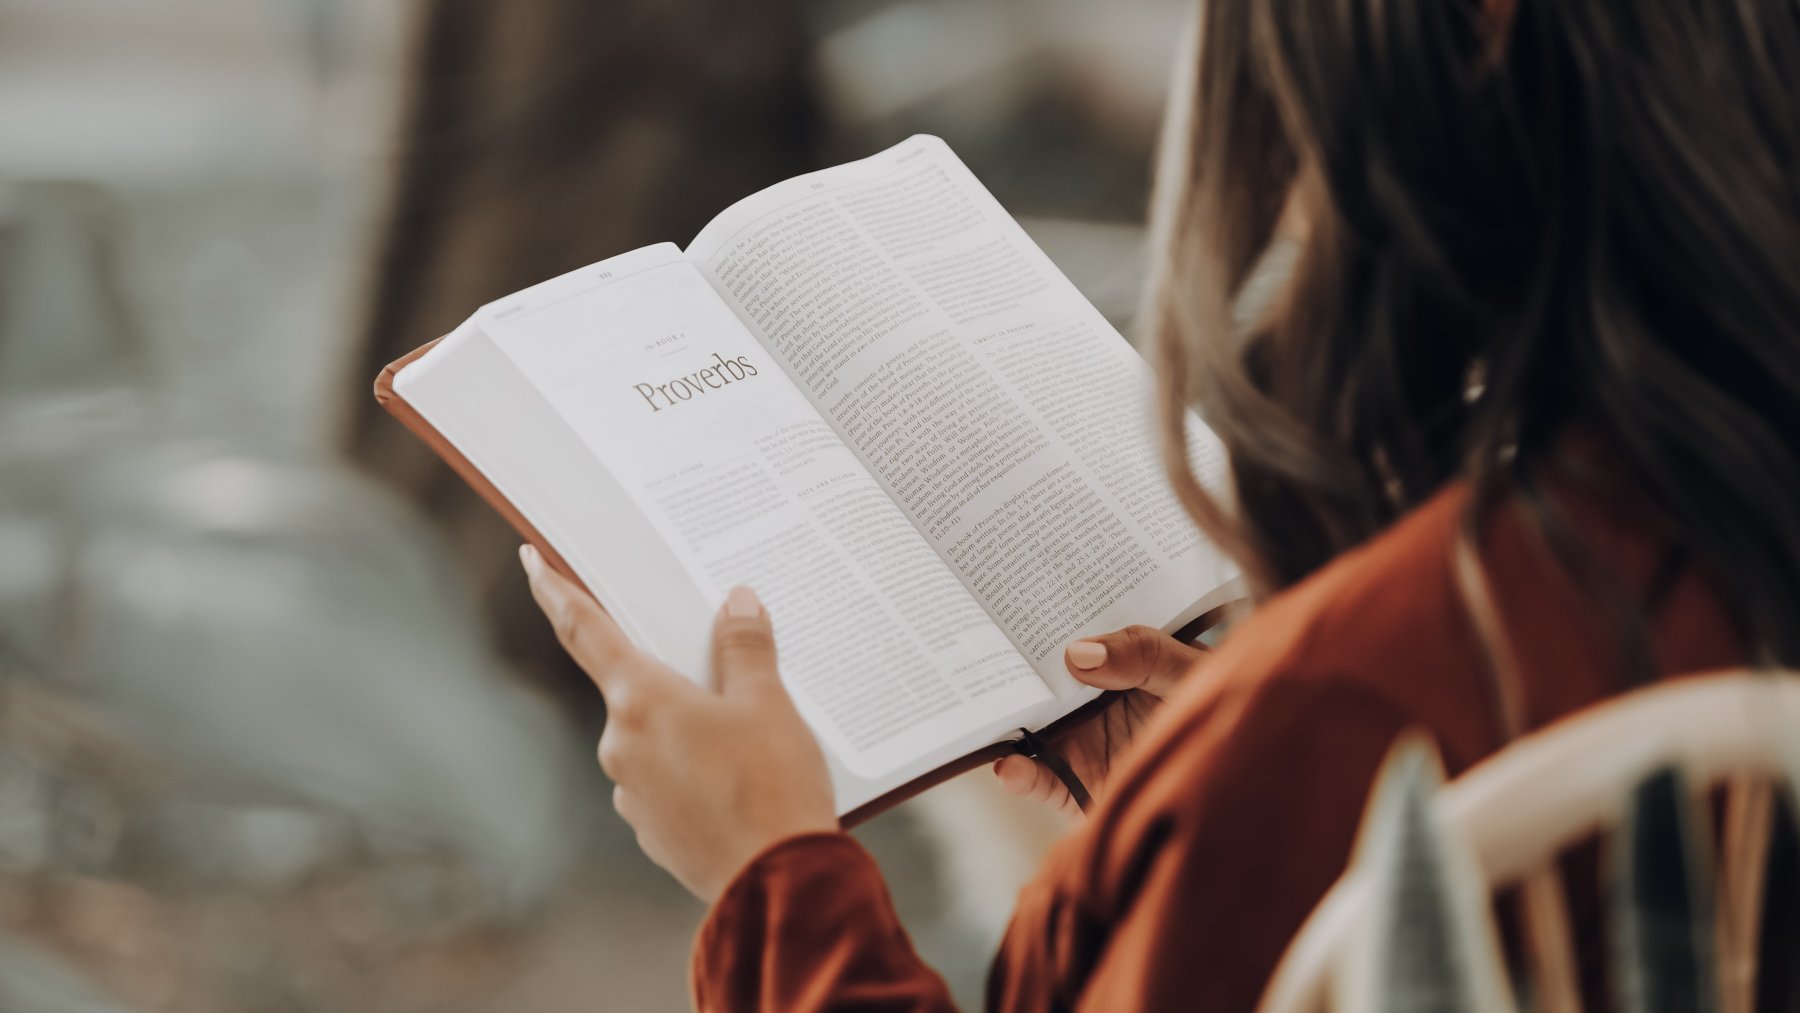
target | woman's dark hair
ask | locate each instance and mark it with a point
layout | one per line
(1520, 217)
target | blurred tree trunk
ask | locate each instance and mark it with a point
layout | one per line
(542, 135)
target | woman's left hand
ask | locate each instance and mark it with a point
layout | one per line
(708, 778)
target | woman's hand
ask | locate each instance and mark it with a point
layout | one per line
(708, 779)
(1146, 665)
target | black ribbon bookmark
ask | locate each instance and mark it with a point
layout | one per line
(1033, 747)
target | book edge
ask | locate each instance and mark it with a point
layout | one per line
(397, 406)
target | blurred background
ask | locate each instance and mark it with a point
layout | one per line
(279, 728)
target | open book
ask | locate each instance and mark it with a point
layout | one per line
(866, 393)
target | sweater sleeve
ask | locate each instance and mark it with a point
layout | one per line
(808, 925)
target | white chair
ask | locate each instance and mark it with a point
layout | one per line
(1517, 810)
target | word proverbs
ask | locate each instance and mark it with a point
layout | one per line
(685, 388)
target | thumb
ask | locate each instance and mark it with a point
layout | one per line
(743, 646)
(1136, 657)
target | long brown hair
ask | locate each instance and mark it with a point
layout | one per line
(1519, 216)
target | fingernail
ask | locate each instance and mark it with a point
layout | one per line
(528, 555)
(1087, 654)
(742, 603)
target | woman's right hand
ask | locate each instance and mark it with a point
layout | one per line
(1145, 665)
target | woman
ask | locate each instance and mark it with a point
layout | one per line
(1520, 430)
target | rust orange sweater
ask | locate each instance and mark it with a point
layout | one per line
(1235, 809)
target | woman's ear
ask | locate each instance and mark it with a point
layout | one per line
(1295, 223)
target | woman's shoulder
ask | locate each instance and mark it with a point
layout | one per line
(1373, 642)
(1236, 805)
(1383, 619)
(1270, 737)
(1381, 639)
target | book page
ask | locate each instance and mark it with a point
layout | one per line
(994, 403)
(886, 653)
